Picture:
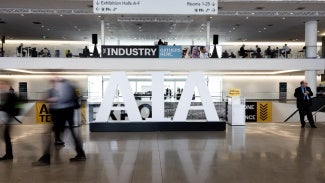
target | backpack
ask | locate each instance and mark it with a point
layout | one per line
(13, 106)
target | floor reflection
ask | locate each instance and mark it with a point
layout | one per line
(252, 153)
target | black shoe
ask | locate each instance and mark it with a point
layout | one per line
(59, 143)
(313, 126)
(41, 163)
(6, 157)
(78, 158)
(303, 126)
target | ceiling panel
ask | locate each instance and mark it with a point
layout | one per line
(230, 28)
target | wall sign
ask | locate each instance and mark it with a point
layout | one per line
(234, 92)
(165, 7)
(170, 52)
(130, 51)
(43, 115)
(258, 111)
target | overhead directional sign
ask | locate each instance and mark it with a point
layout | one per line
(156, 7)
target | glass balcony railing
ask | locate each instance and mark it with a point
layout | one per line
(224, 50)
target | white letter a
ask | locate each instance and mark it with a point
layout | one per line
(131, 107)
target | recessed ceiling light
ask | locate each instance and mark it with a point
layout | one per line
(48, 29)
(211, 17)
(264, 28)
(99, 16)
(259, 31)
(233, 28)
(22, 15)
(61, 15)
(283, 18)
(246, 17)
(253, 13)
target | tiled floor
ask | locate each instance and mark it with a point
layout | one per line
(261, 153)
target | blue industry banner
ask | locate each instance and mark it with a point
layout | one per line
(170, 51)
(130, 52)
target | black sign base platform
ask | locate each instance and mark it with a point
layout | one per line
(157, 126)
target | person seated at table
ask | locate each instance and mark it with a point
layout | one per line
(268, 52)
(225, 54)
(257, 53)
(21, 51)
(275, 53)
(34, 52)
(160, 42)
(285, 50)
(69, 54)
(242, 52)
(86, 52)
(232, 55)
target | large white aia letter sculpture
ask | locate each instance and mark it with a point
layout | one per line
(120, 80)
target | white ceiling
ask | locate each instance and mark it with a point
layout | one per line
(234, 22)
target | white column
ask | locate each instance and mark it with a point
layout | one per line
(311, 78)
(311, 39)
(311, 52)
(102, 31)
(208, 35)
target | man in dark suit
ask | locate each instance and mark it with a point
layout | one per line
(304, 103)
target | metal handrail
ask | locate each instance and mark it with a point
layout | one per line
(290, 116)
(315, 113)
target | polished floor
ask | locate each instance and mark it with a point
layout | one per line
(261, 153)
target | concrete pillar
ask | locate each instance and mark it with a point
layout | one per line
(208, 35)
(311, 78)
(102, 31)
(311, 52)
(311, 39)
(323, 47)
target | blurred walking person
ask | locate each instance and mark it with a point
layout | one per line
(8, 102)
(65, 104)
